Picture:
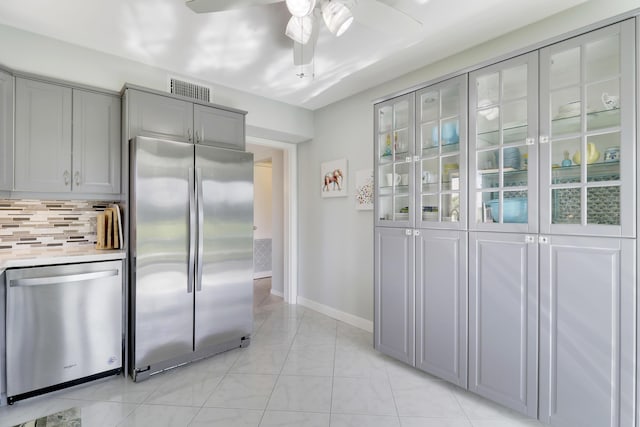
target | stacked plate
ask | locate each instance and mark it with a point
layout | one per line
(511, 157)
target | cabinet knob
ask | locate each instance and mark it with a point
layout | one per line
(77, 178)
(408, 232)
(530, 141)
(416, 232)
(66, 175)
(544, 140)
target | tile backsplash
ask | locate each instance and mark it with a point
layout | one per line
(38, 223)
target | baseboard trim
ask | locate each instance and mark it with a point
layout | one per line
(277, 293)
(261, 274)
(350, 319)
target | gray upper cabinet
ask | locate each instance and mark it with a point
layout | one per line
(43, 137)
(96, 142)
(67, 140)
(174, 119)
(218, 127)
(394, 293)
(159, 116)
(6, 131)
(587, 331)
(503, 319)
(503, 130)
(588, 111)
(441, 304)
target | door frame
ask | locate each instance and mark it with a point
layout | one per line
(290, 196)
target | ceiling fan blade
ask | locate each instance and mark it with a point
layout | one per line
(382, 17)
(207, 6)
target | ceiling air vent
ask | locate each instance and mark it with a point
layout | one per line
(189, 89)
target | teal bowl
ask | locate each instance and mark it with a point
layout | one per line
(515, 209)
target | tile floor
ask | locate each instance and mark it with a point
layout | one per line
(301, 369)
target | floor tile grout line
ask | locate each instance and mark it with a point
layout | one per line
(333, 375)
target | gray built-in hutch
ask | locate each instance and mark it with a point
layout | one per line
(505, 229)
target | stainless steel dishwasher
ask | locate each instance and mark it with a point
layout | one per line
(64, 326)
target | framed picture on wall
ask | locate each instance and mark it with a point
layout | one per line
(333, 176)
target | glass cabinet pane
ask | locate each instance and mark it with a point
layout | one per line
(584, 80)
(501, 150)
(439, 166)
(395, 169)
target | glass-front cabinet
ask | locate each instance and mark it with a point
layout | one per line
(503, 130)
(587, 150)
(441, 155)
(394, 183)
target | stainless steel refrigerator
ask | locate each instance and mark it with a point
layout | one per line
(191, 234)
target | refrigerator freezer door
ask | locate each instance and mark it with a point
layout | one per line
(162, 221)
(224, 296)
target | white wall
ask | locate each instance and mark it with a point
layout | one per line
(262, 209)
(277, 223)
(32, 53)
(336, 241)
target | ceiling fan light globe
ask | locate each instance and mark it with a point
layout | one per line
(337, 16)
(299, 29)
(300, 8)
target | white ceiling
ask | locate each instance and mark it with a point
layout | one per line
(247, 49)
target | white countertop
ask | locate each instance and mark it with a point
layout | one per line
(34, 257)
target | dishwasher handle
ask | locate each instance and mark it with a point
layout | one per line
(67, 278)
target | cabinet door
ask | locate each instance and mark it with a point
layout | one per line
(503, 319)
(503, 129)
(218, 127)
(96, 143)
(43, 137)
(159, 116)
(6, 131)
(587, 332)
(441, 304)
(395, 168)
(394, 293)
(588, 113)
(441, 146)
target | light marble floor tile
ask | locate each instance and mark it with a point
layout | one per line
(402, 375)
(103, 414)
(219, 417)
(219, 363)
(358, 362)
(434, 400)
(301, 393)
(294, 419)
(114, 389)
(242, 391)
(160, 416)
(362, 396)
(261, 359)
(350, 420)
(183, 387)
(433, 422)
(479, 408)
(310, 360)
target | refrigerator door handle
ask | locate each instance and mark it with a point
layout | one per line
(192, 232)
(200, 203)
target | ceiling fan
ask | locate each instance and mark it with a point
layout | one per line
(338, 15)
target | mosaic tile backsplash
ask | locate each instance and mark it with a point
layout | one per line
(261, 255)
(40, 223)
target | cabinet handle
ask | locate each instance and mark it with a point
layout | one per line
(529, 239)
(66, 177)
(189, 134)
(530, 141)
(77, 178)
(544, 140)
(408, 232)
(407, 159)
(416, 232)
(543, 240)
(197, 137)
(416, 158)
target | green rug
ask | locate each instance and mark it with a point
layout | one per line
(66, 418)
